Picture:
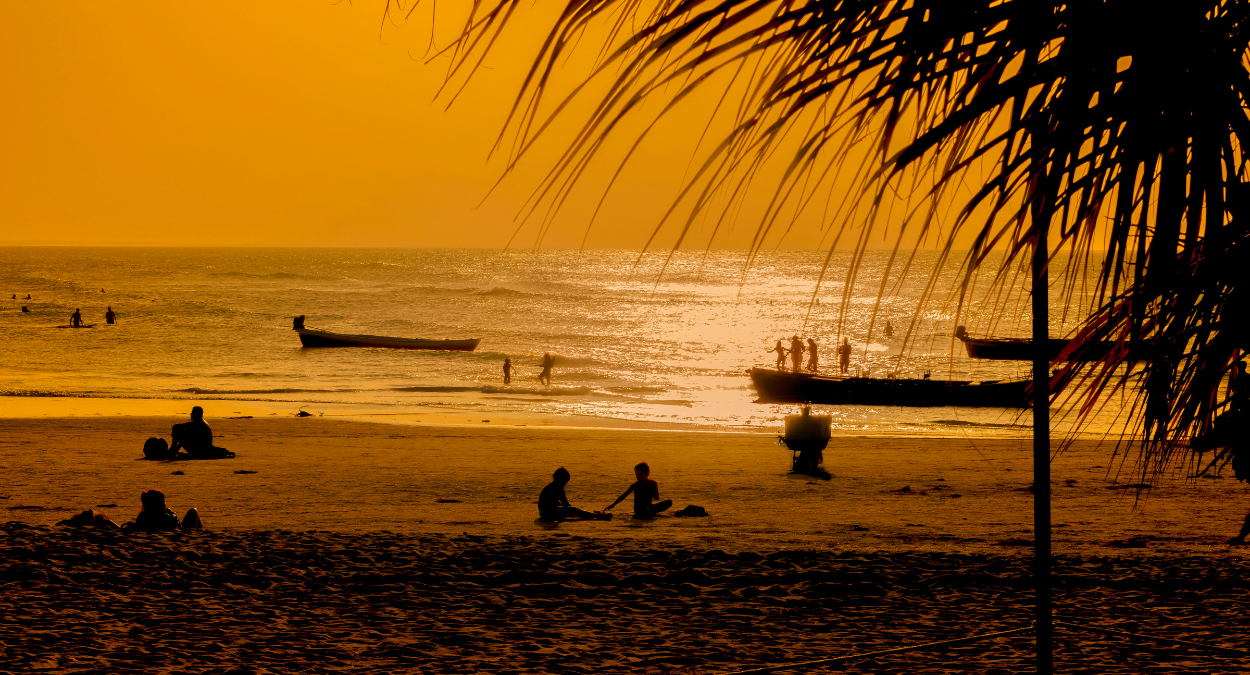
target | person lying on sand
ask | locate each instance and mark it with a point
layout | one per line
(90, 518)
(196, 438)
(553, 506)
(156, 517)
(645, 491)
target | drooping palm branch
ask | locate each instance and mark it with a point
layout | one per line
(1115, 125)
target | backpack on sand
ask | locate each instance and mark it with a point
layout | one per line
(156, 448)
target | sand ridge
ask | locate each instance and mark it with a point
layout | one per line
(81, 600)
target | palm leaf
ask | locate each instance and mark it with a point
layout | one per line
(1113, 127)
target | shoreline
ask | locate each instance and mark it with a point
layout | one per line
(69, 407)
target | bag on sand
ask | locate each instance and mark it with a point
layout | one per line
(691, 511)
(156, 448)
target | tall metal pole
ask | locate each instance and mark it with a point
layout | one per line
(1041, 455)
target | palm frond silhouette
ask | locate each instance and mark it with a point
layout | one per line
(1114, 126)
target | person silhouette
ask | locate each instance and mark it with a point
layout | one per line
(196, 438)
(110, 316)
(507, 371)
(76, 318)
(545, 376)
(813, 359)
(889, 329)
(28, 297)
(553, 505)
(796, 353)
(781, 356)
(844, 356)
(25, 309)
(645, 492)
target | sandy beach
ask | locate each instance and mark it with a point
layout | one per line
(344, 546)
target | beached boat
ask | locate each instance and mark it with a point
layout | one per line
(779, 386)
(321, 338)
(1019, 349)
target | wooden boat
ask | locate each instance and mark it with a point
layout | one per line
(779, 386)
(321, 338)
(1018, 349)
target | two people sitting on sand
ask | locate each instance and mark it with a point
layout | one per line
(195, 438)
(153, 516)
(553, 505)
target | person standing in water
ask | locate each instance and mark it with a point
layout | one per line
(110, 317)
(813, 360)
(507, 371)
(76, 318)
(889, 329)
(796, 353)
(781, 356)
(844, 356)
(545, 376)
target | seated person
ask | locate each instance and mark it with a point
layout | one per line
(645, 491)
(156, 517)
(196, 438)
(553, 506)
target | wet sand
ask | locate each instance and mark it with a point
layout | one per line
(338, 546)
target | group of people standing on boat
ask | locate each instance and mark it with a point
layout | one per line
(795, 354)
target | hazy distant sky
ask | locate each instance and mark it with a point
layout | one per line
(240, 123)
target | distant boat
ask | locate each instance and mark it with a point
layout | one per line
(1019, 349)
(779, 386)
(321, 338)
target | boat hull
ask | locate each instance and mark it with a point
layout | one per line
(775, 386)
(320, 338)
(1009, 349)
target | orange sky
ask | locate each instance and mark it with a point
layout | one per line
(278, 124)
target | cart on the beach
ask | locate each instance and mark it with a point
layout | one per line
(807, 435)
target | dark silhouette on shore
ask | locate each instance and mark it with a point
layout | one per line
(110, 317)
(645, 492)
(196, 438)
(844, 356)
(507, 371)
(154, 516)
(548, 361)
(553, 505)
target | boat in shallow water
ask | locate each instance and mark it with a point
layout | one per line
(1019, 349)
(320, 338)
(779, 386)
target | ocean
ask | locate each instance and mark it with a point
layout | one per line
(631, 344)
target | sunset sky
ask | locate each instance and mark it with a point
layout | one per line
(290, 123)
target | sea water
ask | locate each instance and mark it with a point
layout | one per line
(641, 338)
